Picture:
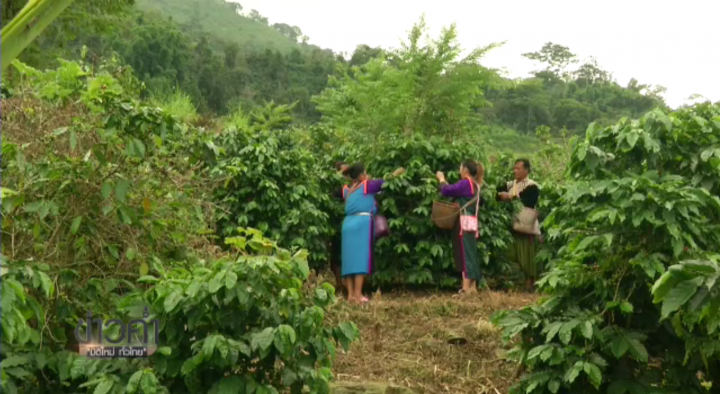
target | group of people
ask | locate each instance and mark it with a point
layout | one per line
(352, 255)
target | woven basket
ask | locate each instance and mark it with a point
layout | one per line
(444, 214)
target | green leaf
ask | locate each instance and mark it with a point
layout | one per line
(231, 385)
(165, 350)
(586, 242)
(130, 254)
(75, 225)
(106, 189)
(14, 361)
(230, 280)
(536, 351)
(209, 345)
(121, 189)
(149, 382)
(632, 139)
(172, 300)
(104, 387)
(587, 329)
(144, 269)
(619, 346)
(637, 349)
(140, 147)
(216, 282)
(284, 339)
(679, 295)
(190, 364)
(566, 330)
(264, 339)
(626, 307)
(46, 284)
(78, 368)
(554, 386)
(663, 285)
(134, 382)
(552, 330)
(73, 140)
(593, 372)
(572, 373)
(707, 153)
(193, 289)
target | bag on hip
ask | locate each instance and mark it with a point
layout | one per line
(526, 221)
(469, 223)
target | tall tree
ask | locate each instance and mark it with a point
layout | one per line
(420, 89)
(556, 58)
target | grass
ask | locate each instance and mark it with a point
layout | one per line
(220, 20)
(178, 104)
(406, 342)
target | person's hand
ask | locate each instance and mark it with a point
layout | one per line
(399, 171)
(504, 196)
(440, 176)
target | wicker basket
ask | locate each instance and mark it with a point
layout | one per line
(444, 214)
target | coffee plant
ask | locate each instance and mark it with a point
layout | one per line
(98, 189)
(271, 182)
(632, 301)
(230, 322)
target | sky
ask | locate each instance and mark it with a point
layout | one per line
(675, 44)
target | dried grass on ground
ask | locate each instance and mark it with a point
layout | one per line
(405, 342)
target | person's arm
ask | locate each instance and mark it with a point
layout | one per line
(502, 193)
(375, 185)
(530, 196)
(338, 194)
(460, 189)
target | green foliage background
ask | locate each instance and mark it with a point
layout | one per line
(121, 189)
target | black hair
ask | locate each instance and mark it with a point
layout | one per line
(475, 169)
(339, 164)
(356, 170)
(471, 166)
(525, 163)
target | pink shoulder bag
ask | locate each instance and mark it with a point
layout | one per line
(469, 223)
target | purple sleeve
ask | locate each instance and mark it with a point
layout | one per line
(460, 189)
(374, 186)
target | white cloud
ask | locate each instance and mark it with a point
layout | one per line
(669, 43)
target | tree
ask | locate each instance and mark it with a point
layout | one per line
(556, 57)
(417, 89)
(291, 32)
(363, 54)
(590, 73)
(231, 54)
(255, 15)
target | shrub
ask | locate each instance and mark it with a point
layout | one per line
(245, 322)
(271, 182)
(632, 294)
(89, 203)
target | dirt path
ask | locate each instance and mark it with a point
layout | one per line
(405, 342)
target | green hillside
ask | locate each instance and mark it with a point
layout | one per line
(221, 20)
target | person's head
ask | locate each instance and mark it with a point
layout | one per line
(356, 172)
(342, 167)
(521, 169)
(472, 169)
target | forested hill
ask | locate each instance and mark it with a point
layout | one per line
(228, 21)
(221, 59)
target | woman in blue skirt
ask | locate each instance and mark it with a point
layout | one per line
(358, 234)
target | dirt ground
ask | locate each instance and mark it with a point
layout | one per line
(429, 342)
